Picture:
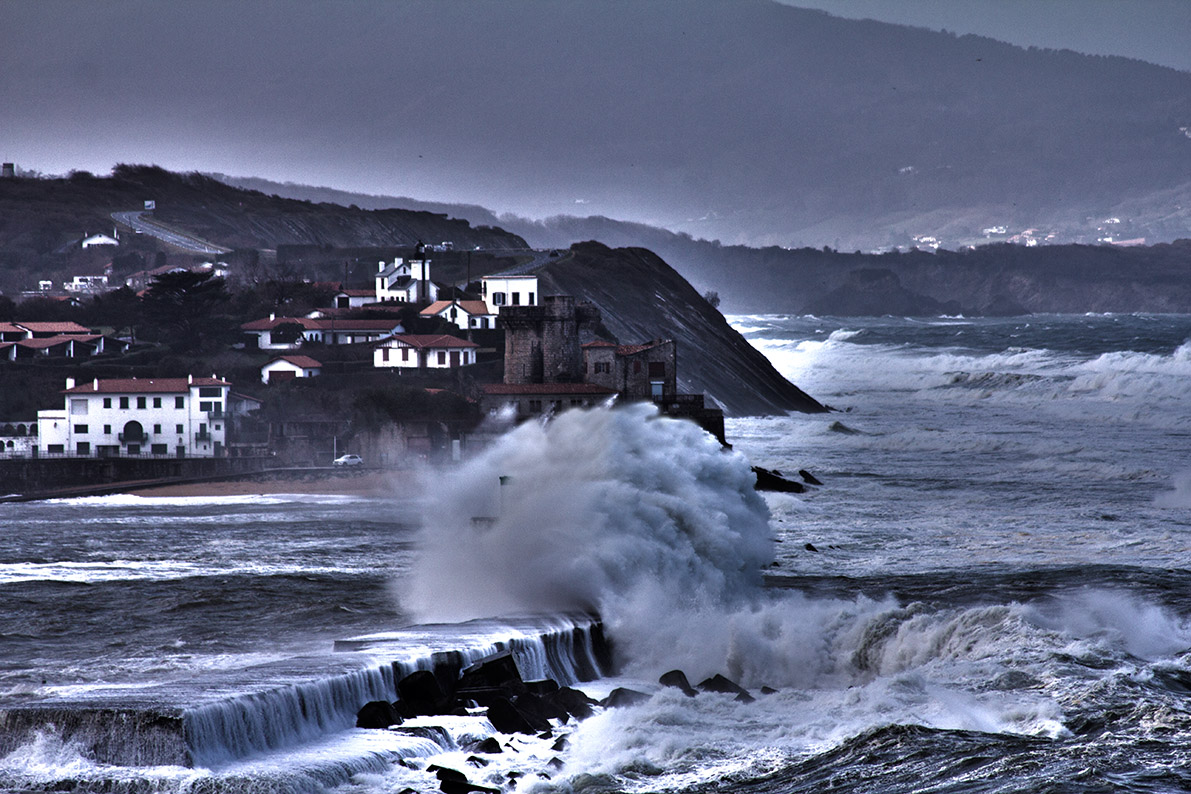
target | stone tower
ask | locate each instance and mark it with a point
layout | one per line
(542, 343)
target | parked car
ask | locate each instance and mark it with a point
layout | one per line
(348, 460)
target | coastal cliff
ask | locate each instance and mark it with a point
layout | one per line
(640, 297)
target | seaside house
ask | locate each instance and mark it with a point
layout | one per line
(176, 417)
(285, 368)
(534, 399)
(271, 335)
(424, 351)
(18, 439)
(465, 314)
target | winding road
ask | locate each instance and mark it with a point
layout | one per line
(137, 221)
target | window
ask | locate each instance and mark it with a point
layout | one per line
(55, 449)
(405, 354)
(636, 367)
(210, 391)
(179, 429)
(81, 429)
(141, 403)
(79, 407)
(107, 402)
(516, 298)
(160, 449)
(156, 428)
(179, 402)
(107, 430)
(529, 301)
(384, 354)
(83, 448)
(657, 369)
(124, 403)
(156, 402)
(218, 427)
(498, 299)
(442, 357)
(535, 406)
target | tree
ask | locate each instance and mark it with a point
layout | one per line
(712, 297)
(188, 310)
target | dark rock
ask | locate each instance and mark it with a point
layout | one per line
(377, 714)
(840, 427)
(484, 695)
(435, 733)
(622, 697)
(810, 547)
(498, 670)
(718, 683)
(545, 708)
(489, 745)
(421, 694)
(476, 761)
(768, 480)
(559, 745)
(554, 763)
(768, 690)
(452, 781)
(573, 702)
(677, 678)
(546, 735)
(808, 478)
(507, 718)
(543, 687)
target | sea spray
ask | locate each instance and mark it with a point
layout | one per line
(645, 519)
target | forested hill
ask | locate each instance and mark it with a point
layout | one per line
(42, 220)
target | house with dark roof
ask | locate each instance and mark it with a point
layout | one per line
(638, 372)
(333, 330)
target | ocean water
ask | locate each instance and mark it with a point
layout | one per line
(989, 592)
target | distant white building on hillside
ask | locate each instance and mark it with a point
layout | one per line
(464, 314)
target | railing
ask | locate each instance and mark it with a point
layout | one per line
(202, 435)
(142, 438)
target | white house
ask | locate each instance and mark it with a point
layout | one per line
(521, 290)
(286, 368)
(99, 239)
(18, 439)
(324, 330)
(175, 417)
(464, 314)
(353, 298)
(433, 351)
(406, 282)
(87, 284)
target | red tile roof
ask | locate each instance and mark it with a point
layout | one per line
(628, 350)
(471, 307)
(54, 328)
(429, 340)
(600, 343)
(545, 388)
(143, 385)
(322, 324)
(269, 323)
(305, 362)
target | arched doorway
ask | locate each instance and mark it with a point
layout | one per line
(133, 436)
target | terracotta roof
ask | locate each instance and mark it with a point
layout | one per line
(628, 350)
(471, 307)
(143, 385)
(358, 293)
(52, 341)
(600, 343)
(55, 328)
(429, 340)
(268, 324)
(322, 324)
(306, 362)
(545, 388)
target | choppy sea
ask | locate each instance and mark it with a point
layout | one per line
(990, 591)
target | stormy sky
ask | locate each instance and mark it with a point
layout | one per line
(443, 100)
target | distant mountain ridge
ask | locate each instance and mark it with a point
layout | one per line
(758, 123)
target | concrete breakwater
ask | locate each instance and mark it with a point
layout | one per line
(223, 718)
(36, 476)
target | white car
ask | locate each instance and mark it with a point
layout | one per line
(348, 460)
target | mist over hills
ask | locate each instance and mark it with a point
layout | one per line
(753, 122)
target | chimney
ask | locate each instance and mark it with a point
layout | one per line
(272, 316)
(95, 385)
(190, 380)
(70, 383)
(380, 266)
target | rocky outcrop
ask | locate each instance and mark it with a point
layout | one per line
(640, 298)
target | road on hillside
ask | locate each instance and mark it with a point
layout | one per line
(137, 221)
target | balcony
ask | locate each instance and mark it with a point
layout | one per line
(133, 438)
(202, 435)
(215, 414)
